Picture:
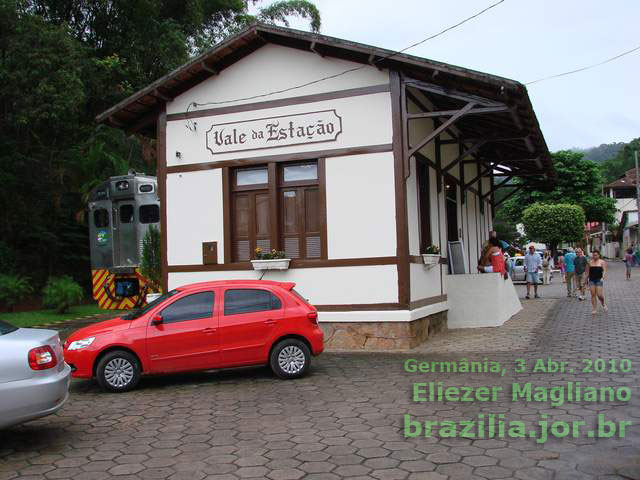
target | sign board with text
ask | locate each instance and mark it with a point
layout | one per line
(273, 132)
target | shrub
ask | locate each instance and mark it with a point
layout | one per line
(13, 289)
(7, 258)
(61, 293)
(150, 266)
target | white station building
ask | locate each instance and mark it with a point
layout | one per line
(351, 159)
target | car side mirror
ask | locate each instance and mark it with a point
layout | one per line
(156, 320)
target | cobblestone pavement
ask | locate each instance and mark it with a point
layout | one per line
(345, 420)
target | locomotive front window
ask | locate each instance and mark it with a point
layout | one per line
(126, 214)
(101, 218)
(149, 214)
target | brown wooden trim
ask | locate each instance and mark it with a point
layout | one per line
(402, 228)
(273, 207)
(282, 102)
(226, 219)
(161, 155)
(360, 307)
(443, 261)
(416, 259)
(295, 263)
(322, 178)
(423, 302)
(285, 157)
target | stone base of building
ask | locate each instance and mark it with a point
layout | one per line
(387, 336)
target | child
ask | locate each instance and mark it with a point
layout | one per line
(629, 261)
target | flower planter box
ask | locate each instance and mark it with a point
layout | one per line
(277, 264)
(431, 259)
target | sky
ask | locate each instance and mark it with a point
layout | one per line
(524, 41)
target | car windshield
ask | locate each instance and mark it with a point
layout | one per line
(141, 311)
(6, 328)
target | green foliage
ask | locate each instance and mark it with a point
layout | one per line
(62, 62)
(61, 293)
(602, 152)
(579, 182)
(554, 223)
(13, 289)
(616, 166)
(151, 265)
(7, 258)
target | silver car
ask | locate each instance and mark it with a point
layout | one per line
(516, 270)
(34, 379)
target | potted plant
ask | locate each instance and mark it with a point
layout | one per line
(270, 260)
(431, 257)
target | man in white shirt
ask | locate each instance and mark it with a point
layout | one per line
(532, 261)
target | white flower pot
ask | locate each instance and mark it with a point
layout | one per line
(431, 259)
(277, 264)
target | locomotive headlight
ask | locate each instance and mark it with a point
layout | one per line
(122, 185)
(78, 344)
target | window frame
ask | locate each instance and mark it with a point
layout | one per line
(275, 182)
(140, 217)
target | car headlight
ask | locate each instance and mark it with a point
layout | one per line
(78, 344)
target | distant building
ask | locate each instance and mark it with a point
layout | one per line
(623, 190)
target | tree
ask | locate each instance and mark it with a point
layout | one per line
(150, 265)
(61, 63)
(579, 182)
(616, 166)
(554, 223)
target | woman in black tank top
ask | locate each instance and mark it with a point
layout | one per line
(597, 271)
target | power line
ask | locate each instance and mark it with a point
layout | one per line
(585, 68)
(329, 77)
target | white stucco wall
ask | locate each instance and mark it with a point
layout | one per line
(273, 67)
(361, 206)
(322, 286)
(194, 215)
(366, 120)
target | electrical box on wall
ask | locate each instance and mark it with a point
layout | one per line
(209, 253)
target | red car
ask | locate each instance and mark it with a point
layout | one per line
(201, 326)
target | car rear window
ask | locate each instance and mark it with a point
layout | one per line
(6, 328)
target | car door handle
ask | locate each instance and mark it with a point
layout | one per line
(209, 330)
(271, 321)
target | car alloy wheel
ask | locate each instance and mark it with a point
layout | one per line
(118, 372)
(291, 359)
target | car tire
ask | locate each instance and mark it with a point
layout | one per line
(118, 371)
(290, 358)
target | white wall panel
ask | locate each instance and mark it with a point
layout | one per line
(361, 218)
(273, 67)
(194, 215)
(322, 286)
(366, 120)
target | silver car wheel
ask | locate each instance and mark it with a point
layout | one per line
(291, 359)
(118, 372)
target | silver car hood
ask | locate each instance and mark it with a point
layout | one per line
(14, 352)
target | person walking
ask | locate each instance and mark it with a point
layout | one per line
(532, 261)
(570, 271)
(581, 267)
(547, 266)
(561, 267)
(597, 274)
(629, 261)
